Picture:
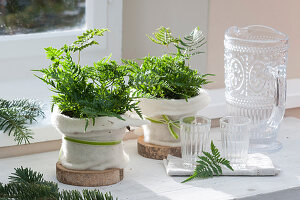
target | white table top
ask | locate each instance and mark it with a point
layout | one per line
(146, 179)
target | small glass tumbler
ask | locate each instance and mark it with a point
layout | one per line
(194, 136)
(235, 139)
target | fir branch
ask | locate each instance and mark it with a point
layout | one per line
(26, 184)
(16, 114)
(26, 175)
(209, 164)
(86, 195)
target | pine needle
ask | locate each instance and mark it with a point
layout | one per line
(15, 115)
(26, 184)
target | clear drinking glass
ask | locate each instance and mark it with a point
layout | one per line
(255, 61)
(194, 135)
(235, 139)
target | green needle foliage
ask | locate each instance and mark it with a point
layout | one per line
(209, 164)
(26, 184)
(15, 115)
(169, 76)
(86, 195)
(87, 91)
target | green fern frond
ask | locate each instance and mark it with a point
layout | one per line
(209, 164)
(164, 77)
(191, 43)
(53, 54)
(186, 47)
(163, 36)
(169, 76)
(86, 39)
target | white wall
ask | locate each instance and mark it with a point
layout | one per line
(281, 15)
(22, 53)
(141, 17)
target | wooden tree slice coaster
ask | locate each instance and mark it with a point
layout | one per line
(156, 151)
(88, 178)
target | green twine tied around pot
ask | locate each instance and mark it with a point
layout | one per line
(170, 124)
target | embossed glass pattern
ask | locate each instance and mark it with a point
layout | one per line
(255, 60)
(235, 139)
(194, 135)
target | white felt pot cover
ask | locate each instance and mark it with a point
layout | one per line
(174, 109)
(92, 157)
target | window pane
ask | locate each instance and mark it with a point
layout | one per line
(34, 16)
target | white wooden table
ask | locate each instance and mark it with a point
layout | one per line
(146, 179)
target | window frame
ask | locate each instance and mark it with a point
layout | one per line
(19, 54)
(99, 14)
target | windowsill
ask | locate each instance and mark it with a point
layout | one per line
(146, 178)
(44, 131)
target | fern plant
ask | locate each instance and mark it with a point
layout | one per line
(26, 184)
(209, 164)
(163, 36)
(186, 47)
(15, 115)
(87, 91)
(169, 76)
(165, 77)
(191, 43)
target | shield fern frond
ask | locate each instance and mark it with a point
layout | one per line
(191, 43)
(186, 47)
(87, 39)
(209, 164)
(165, 77)
(163, 36)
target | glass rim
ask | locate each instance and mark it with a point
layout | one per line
(206, 119)
(283, 36)
(246, 122)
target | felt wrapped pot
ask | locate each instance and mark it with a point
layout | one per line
(100, 147)
(164, 114)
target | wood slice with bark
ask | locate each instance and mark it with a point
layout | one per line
(154, 151)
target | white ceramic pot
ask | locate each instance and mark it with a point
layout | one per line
(80, 156)
(159, 134)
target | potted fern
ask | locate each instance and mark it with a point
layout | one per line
(169, 88)
(89, 107)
